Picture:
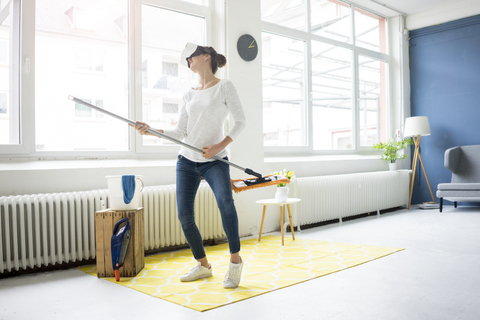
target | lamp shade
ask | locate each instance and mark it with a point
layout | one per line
(415, 126)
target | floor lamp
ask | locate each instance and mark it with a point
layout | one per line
(417, 127)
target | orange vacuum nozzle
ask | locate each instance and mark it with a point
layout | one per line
(117, 275)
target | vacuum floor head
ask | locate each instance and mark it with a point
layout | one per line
(240, 185)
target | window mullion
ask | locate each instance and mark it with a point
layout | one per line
(135, 70)
(309, 95)
(283, 31)
(356, 101)
(352, 24)
(355, 91)
(15, 61)
(180, 6)
(27, 76)
(21, 119)
(373, 54)
(308, 81)
(308, 18)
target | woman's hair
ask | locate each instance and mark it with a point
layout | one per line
(217, 60)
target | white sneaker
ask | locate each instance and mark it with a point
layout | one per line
(233, 276)
(197, 272)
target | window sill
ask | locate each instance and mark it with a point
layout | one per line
(315, 158)
(48, 164)
(17, 165)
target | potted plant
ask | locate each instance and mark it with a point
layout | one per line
(391, 151)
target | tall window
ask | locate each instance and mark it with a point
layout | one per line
(324, 82)
(164, 81)
(332, 106)
(80, 50)
(283, 91)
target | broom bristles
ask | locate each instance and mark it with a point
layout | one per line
(260, 185)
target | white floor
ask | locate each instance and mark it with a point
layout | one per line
(436, 277)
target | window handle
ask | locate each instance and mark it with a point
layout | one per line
(27, 65)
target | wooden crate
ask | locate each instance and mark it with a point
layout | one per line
(105, 220)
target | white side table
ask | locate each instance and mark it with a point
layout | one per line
(267, 202)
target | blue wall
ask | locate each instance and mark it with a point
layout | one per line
(445, 87)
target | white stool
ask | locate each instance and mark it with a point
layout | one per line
(267, 202)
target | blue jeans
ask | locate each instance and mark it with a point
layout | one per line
(217, 175)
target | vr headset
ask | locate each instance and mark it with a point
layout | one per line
(192, 50)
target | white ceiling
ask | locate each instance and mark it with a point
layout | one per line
(411, 6)
(390, 8)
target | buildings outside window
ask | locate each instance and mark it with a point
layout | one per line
(324, 82)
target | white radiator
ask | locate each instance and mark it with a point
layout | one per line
(333, 197)
(162, 227)
(45, 229)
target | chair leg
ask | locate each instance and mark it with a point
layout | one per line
(441, 204)
(455, 204)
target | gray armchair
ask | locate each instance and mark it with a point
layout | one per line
(464, 162)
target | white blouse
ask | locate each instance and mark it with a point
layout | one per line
(203, 116)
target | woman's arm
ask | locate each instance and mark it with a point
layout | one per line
(235, 106)
(180, 130)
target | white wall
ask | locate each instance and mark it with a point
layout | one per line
(23, 176)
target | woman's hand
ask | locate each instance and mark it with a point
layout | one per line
(142, 128)
(210, 151)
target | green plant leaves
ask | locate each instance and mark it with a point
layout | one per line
(391, 148)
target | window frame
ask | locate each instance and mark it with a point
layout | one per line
(22, 77)
(25, 10)
(307, 36)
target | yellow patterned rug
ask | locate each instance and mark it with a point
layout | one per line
(267, 266)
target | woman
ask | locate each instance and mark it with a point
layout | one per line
(201, 122)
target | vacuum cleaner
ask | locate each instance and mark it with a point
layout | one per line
(120, 242)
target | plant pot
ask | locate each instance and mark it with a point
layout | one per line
(282, 194)
(392, 166)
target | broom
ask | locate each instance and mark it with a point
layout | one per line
(238, 185)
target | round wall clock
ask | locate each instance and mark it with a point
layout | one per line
(247, 47)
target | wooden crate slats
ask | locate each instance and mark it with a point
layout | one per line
(105, 220)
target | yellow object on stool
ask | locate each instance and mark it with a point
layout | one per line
(267, 202)
(105, 220)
